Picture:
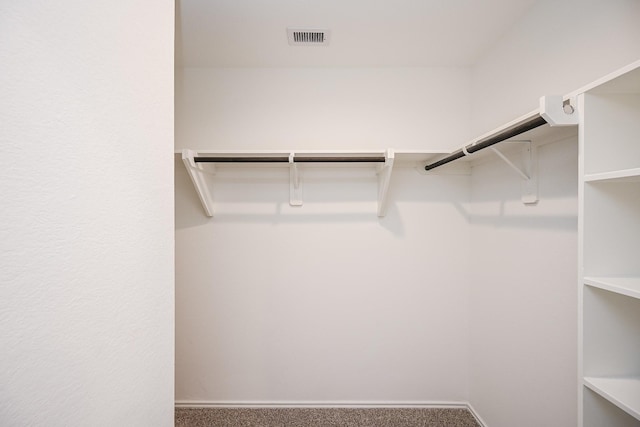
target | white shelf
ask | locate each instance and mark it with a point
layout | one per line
(402, 156)
(623, 80)
(383, 162)
(629, 286)
(626, 175)
(622, 392)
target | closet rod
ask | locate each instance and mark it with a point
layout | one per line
(515, 130)
(285, 159)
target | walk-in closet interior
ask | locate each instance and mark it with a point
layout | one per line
(325, 255)
(323, 259)
(305, 207)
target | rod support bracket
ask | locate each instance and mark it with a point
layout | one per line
(384, 178)
(528, 172)
(197, 173)
(295, 182)
(529, 185)
(558, 111)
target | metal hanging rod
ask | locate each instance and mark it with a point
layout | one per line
(285, 159)
(492, 140)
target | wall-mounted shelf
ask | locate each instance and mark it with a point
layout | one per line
(554, 111)
(383, 160)
(202, 162)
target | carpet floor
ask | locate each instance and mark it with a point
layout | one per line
(324, 417)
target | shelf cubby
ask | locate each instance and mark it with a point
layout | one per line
(622, 392)
(604, 410)
(611, 129)
(611, 221)
(611, 340)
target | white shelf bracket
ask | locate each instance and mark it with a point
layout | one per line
(523, 174)
(196, 173)
(384, 178)
(528, 173)
(295, 182)
(558, 112)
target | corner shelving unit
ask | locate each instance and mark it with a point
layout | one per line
(609, 252)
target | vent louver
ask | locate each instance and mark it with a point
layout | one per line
(307, 37)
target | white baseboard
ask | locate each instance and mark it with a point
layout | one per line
(318, 404)
(476, 416)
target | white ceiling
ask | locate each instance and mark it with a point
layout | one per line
(364, 33)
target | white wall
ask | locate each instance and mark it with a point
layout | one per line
(324, 302)
(86, 225)
(524, 351)
(322, 108)
(524, 296)
(556, 48)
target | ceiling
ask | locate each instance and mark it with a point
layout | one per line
(364, 33)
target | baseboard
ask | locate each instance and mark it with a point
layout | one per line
(318, 404)
(476, 416)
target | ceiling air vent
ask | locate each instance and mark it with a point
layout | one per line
(308, 37)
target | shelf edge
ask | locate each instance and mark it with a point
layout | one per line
(613, 175)
(609, 284)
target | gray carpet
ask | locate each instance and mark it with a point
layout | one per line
(312, 417)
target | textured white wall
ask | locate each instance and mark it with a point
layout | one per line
(86, 224)
(322, 108)
(556, 48)
(523, 300)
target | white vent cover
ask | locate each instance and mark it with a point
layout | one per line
(308, 37)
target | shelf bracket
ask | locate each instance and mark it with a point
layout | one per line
(522, 173)
(558, 112)
(528, 173)
(196, 173)
(295, 182)
(384, 178)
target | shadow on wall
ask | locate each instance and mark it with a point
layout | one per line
(533, 222)
(496, 192)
